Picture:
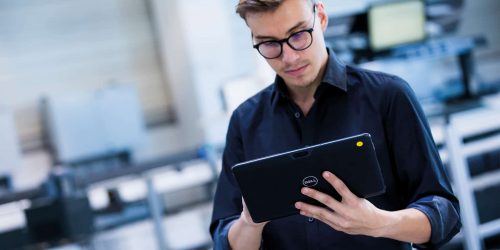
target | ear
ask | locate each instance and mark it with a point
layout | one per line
(322, 16)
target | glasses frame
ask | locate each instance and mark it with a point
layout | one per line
(287, 40)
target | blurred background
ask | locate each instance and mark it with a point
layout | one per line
(113, 113)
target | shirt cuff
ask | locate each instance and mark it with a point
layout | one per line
(221, 233)
(443, 217)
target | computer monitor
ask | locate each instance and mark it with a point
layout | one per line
(395, 23)
(433, 79)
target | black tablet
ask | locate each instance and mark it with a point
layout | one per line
(271, 185)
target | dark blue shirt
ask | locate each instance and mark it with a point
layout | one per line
(348, 101)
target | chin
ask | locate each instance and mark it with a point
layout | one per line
(298, 82)
(299, 85)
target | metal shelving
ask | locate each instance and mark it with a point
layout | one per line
(461, 126)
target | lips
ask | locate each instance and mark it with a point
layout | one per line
(296, 71)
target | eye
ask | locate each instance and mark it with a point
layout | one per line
(298, 36)
(270, 44)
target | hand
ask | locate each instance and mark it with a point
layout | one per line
(245, 233)
(352, 215)
(247, 218)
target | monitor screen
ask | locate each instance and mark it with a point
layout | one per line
(433, 79)
(396, 23)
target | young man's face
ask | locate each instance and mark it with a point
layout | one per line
(297, 68)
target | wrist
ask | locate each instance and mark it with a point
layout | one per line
(388, 222)
(408, 225)
(244, 234)
(247, 221)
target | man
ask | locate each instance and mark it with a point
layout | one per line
(316, 98)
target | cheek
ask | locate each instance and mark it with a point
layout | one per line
(275, 64)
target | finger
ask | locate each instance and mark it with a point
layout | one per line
(331, 218)
(244, 204)
(322, 197)
(323, 214)
(339, 186)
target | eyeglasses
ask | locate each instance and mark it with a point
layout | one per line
(298, 41)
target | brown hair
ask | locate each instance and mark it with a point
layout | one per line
(254, 6)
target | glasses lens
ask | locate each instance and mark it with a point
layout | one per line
(270, 49)
(300, 40)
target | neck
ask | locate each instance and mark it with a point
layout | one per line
(304, 96)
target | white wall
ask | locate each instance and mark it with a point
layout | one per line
(61, 47)
(10, 154)
(204, 45)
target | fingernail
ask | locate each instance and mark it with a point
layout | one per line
(297, 205)
(327, 174)
(304, 190)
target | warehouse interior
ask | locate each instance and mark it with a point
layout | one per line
(113, 114)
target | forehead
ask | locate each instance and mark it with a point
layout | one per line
(277, 23)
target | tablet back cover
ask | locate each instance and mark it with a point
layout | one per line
(271, 185)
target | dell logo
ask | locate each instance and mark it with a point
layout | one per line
(310, 181)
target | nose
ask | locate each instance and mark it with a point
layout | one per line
(289, 55)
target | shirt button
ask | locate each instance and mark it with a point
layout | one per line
(310, 219)
(297, 114)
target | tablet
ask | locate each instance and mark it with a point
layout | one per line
(271, 185)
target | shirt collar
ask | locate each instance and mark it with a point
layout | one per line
(335, 75)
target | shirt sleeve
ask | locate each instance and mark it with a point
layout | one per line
(421, 176)
(227, 199)
(221, 232)
(438, 210)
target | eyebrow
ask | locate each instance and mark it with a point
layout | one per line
(299, 24)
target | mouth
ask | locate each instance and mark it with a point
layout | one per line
(296, 71)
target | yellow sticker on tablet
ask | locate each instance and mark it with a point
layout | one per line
(359, 144)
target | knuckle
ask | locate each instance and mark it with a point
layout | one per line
(325, 215)
(324, 199)
(345, 224)
(339, 183)
(336, 227)
(336, 182)
(330, 202)
(342, 187)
